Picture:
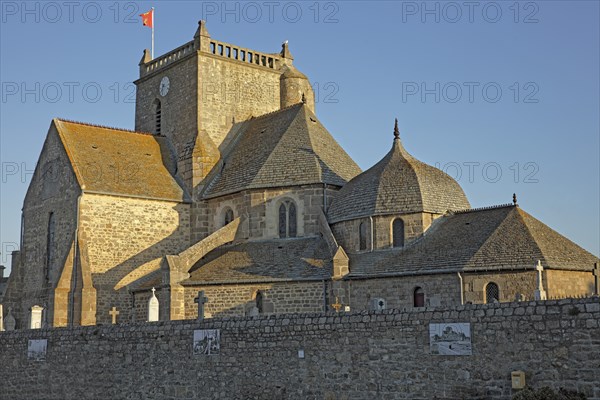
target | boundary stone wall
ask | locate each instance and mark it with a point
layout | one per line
(366, 355)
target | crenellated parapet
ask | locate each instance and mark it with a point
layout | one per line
(203, 43)
(149, 66)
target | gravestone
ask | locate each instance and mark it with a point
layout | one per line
(201, 300)
(35, 317)
(113, 313)
(540, 293)
(9, 322)
(252, 311)
(153, 307)
(519, 297)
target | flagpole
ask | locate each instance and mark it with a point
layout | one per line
(153, 33)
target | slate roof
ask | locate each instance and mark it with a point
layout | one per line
(284, 148)
(121, 162)
(498, 238)
(264, 261)
(398, 184)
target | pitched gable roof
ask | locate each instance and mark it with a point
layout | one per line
(499, 238)
(285, 148)
(121, 162)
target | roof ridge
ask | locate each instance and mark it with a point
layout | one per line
(253, 118)
(469, 210)
(112, 128)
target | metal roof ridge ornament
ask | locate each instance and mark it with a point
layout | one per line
(396, 130)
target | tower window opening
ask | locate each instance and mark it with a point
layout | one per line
(50, 246)
(158, 118)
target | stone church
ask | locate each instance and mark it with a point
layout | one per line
(230, 185)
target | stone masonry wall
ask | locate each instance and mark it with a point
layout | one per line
(234, 300)
(368, 355)
(179, 108)
(233, 90)
(561, 284)
(126, 239)
(439, 290)
(509, 284)
(53, 189)
(347, 232)
(259, 211)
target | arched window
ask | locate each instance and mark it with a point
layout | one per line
(50, 244)
(362, 236)
(157, 117)
(259, 302)
(492, 293)
(398, 233)
(228, 216)
(419, 297)
(288, 219)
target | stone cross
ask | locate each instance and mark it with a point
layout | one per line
(596, 280)
(540, 293)
(153, 307)
(336, 306)
(113, 313)
(201, 300)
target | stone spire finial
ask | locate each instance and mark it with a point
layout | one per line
(202, 37)
(515, 199)
(146, 57)
(285, 51)
(396, 130)
(201, 31)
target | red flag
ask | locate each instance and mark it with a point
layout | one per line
(148, 18)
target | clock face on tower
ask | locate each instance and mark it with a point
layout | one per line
(163, 89)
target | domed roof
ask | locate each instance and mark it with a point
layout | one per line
(289, 71)
(398, 184)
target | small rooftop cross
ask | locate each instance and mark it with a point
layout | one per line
(336, 306)
(113, 313)
(201, 300)
(596, 280)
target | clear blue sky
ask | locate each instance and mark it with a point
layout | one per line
(437, 67)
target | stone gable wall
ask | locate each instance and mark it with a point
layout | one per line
(53, 189)
(368, 355)
(126, 239)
